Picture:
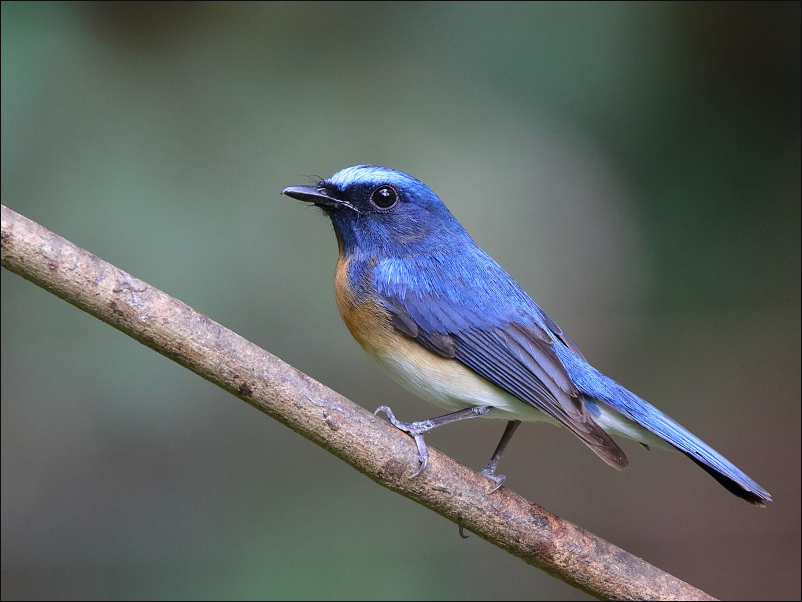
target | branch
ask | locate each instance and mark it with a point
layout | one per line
(345, 429)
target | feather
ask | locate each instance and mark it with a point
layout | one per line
(518, 358)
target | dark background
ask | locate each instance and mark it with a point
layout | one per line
(635, 166)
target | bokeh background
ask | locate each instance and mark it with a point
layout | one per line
(635, 166)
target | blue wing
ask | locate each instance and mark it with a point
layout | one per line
(470, 309)
(493, 329)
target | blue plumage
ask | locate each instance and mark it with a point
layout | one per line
(450, 324)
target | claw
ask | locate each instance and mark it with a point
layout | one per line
(498, 479)
(387, 411)
(423, 455)
(414, 430)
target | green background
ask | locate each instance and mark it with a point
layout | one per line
(635, 166)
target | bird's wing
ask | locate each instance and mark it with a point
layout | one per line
(558, 332)
(498, 342)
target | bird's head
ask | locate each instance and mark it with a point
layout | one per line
(376, 209)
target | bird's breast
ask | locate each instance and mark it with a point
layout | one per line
(366, 319)
(442, 381)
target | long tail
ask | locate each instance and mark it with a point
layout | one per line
(716, 465)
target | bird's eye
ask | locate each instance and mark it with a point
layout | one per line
(384, 198)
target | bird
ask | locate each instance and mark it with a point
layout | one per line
(450, 325)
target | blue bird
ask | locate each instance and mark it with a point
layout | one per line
(451, 326)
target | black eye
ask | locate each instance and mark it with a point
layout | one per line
(384, 198)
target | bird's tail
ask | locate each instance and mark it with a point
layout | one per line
(653, 420)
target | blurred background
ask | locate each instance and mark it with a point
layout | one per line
(635, 166)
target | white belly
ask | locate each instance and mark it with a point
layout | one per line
(448, 384)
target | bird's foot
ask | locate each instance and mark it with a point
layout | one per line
(415, 430)
(498, 479)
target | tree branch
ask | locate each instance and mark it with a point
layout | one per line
(345, 429)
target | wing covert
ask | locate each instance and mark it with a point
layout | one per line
(516, 357)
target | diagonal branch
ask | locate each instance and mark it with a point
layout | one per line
(328, 419)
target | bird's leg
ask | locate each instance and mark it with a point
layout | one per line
(416, 429)
(490, 470)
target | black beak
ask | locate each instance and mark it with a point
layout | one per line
(315, 194)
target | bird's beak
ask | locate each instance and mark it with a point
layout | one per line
(314, 194)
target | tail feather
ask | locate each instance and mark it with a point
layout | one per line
(758, 498)
(716, 465)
